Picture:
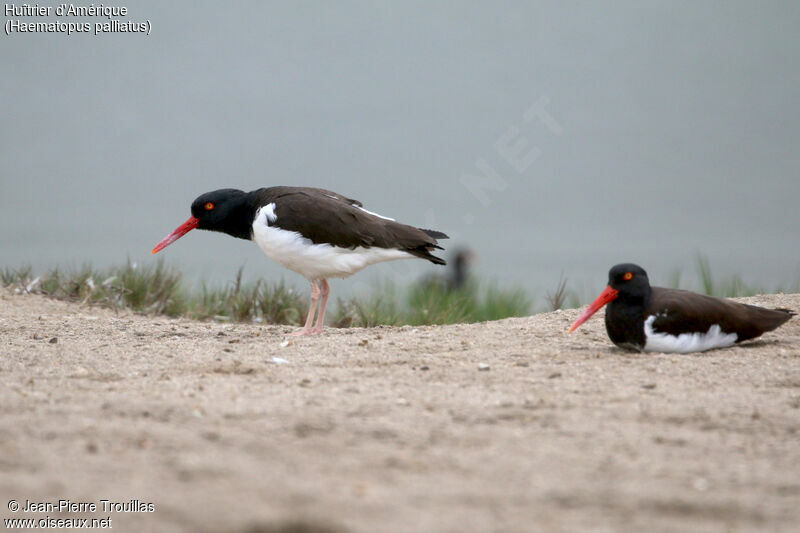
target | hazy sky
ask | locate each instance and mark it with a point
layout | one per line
(604, 131)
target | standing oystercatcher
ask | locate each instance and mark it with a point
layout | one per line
(457, 276)
(317, 233)
(653, 319)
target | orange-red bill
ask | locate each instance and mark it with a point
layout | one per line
(606, 296)
(179, 232)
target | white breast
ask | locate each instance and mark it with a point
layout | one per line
(685, 342)
(314, 261)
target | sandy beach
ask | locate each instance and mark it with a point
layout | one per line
(502, 426)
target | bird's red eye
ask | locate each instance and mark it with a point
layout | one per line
(627, 276)
(209, 206)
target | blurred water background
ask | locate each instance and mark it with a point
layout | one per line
(554, 139)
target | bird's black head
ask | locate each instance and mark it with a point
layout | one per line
(224, 210)
(230, 211)
(626, 282)
(629, 280)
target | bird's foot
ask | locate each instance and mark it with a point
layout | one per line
(304, 331)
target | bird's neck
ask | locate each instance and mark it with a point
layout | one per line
(625, 318)
(638, 300)
(239, 220)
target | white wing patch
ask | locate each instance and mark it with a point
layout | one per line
(374, 214)
(365, 210)
(685, 342)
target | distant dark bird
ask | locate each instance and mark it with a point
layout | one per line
(654, 319)
(457, 274)
(317, 233)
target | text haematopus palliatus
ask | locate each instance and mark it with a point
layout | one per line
(317, 233)
(654, 319)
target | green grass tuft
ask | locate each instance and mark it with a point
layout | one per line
(429, 304)
(730, 288)
(158, 289)
(250, 302)
(380, 308)
(154, 289)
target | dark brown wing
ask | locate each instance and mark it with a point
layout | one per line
(680, 311)
(271, 193)
(327, 217)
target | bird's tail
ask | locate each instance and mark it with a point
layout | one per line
(424, 252)
(782, 316)
(435, 234)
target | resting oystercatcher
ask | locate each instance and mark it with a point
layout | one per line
(654, 319)
(317, 233)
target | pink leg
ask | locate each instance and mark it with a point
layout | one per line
(315, 292)
(325, 290)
